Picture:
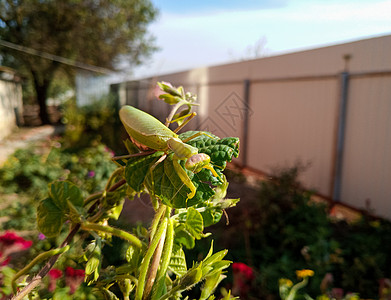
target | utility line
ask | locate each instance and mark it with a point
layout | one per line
(63, 60)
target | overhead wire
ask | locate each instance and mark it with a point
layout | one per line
(60, 59)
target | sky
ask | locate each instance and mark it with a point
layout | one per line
(193, 34)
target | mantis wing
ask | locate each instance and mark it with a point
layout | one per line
(144, 128)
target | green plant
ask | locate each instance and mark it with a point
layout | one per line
(29, 170)
(155, 266)
(96, 122)
(25, 176)
(290, 291)
(283, 230)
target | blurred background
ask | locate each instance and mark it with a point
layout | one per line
(304, 84)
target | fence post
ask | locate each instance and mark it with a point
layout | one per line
(244, 142)
(338, 164)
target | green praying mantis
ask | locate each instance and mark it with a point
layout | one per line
(146, 130)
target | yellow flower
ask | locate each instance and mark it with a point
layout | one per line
(285, 282)
(304, 273)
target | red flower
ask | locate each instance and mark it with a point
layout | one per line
(70, 272)
(55, 273)
(10, 238)
(10, 243)
(73, 278)
(243, 269)
(243, 276)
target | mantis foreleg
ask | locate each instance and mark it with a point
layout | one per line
(184, 178)
(189, 117)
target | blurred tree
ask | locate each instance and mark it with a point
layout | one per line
(94, 32)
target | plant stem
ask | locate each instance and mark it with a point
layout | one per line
(114, 231)
(173, 111)
(43, 272)
(154, 266)
(36, 261)
(117, 185)
(45, 269)
(92, 198)
(297, 287)
(147, 258)
(156, 220)
(165, 261)
(112, 176)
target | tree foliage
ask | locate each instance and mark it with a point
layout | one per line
(95, 32)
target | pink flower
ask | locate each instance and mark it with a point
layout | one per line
(91, 174)
(107, 149)
(337, 293)
(158, 91)
(41, 236)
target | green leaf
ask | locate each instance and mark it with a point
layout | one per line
(178, 261)
(137, 169)
(63, 191)
(194, 223)
(219, 150)
(192, 277)
(215, 257)
(50, 218)
(115, 211)
(165, 183)
(170, 99)
(211, 216)
(107, 294)
(184, 237)
(94, 252)
(210, 284)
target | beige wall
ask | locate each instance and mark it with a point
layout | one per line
(367, 160)
(294, 122)
(10, 99)
(294, 113)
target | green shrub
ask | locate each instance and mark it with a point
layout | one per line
(28, 172)
(97, 122)
(282, 231)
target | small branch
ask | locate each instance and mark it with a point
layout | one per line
(154, 266)
(173, 111)
(117, 185)
(43, 272)
(110, 180)
(147, 258)
(114, 231)
(165, 260)
(156, 220)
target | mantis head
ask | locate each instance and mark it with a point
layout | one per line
(197, 162)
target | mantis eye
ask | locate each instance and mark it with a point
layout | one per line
(197, 162)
